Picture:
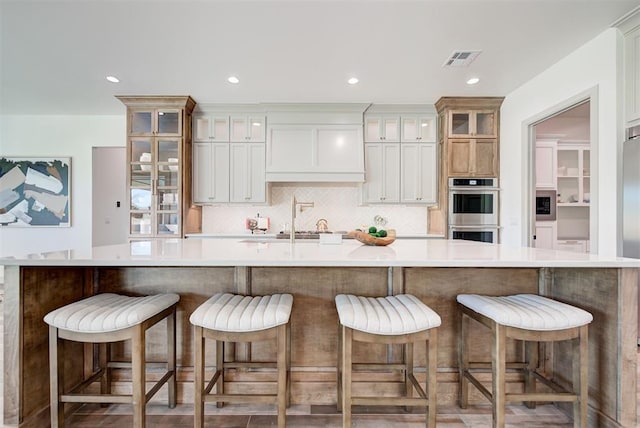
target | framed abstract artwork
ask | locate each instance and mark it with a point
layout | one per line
(35, 191)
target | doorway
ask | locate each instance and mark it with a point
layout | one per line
(563, 162)
(109, 199)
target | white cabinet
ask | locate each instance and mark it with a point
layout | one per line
(321, 153)
(546, 164)
(248, 128)
(382, 164)
(381, 128)
(210, 128)
(545, 234)
(210, 173)
(573, 175)
(419, 181)
(418, 128)
(632, 75)
(247, 173)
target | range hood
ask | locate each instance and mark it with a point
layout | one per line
(320, 143)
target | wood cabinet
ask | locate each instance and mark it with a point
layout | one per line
(210, 173)
(382, 179)
(469, 139)
(378, 127)
(473, 157)
(247, 173)
(159, 157)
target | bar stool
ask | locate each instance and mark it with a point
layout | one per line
(107, 318)
(228, 317)
(530, 318)
(401, 319)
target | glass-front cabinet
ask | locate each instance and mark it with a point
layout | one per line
(157, 141)
(473, 123)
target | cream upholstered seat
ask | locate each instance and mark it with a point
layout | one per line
(402, 319)
(530, 318)
(235, 313)
(106, 318)
(227, 317)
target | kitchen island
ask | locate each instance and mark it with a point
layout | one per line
(434, 270)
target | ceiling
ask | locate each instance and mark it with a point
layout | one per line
(55, 54)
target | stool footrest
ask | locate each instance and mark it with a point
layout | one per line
(241, 398)
(542, 396)
(95, 398)
(389, 401)
(377, 367)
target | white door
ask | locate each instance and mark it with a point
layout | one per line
(110, 222)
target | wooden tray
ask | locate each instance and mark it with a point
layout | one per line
(367, 239)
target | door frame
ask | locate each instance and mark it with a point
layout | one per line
(529, 166)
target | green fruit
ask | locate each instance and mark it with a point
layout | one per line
(373, 229)
(382, 233)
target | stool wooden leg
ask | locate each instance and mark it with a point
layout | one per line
(171, 358)
(347, 342)
(580, 379)
(138, 358)
(281, 363)
(531, 352)
(288, 364)
(463, 360)
(198, 375)
(432, 377)
(220, 367)
(56, 378)
(104, 352)
(339, 370)
(408, 372)
(498, 365)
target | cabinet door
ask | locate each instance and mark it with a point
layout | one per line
(210, 172)
(248, 128)
(419, 173)
(418, 128)
(473, 123)
(382, 128)
(484, 162)
(459, 157)
(382, 164)
(545, 234)
(207, 128)
(632, 75)
(546, 165)
(247, 172)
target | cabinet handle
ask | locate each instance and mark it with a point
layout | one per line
(247, 198)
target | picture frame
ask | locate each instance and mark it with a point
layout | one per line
(35, 191)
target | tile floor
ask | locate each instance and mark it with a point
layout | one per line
(478, 416)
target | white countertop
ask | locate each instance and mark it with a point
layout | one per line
(273, 235)
(279, 252)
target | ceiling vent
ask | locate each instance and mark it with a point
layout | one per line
(461, 58)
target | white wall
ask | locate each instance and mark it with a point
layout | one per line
(596, 64)
(58, 136)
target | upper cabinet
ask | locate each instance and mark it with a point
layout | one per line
(210, 128)
(418, 128)
(471, 128)
(379, 128)
(546, 152)
(248, 128)
(632, 73)
(159, 161)
(473, 123)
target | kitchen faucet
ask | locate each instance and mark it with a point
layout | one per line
(294, 206)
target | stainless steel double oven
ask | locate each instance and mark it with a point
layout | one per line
(473, 209)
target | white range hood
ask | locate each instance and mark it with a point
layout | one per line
(315, 143)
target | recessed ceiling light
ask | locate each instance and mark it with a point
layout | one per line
(473, 81)
(233, 79)
(353, 81)
(113, 79)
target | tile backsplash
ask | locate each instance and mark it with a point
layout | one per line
(337, 203)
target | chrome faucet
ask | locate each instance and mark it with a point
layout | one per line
(294, 207)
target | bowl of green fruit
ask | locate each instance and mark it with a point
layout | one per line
(374, 236)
